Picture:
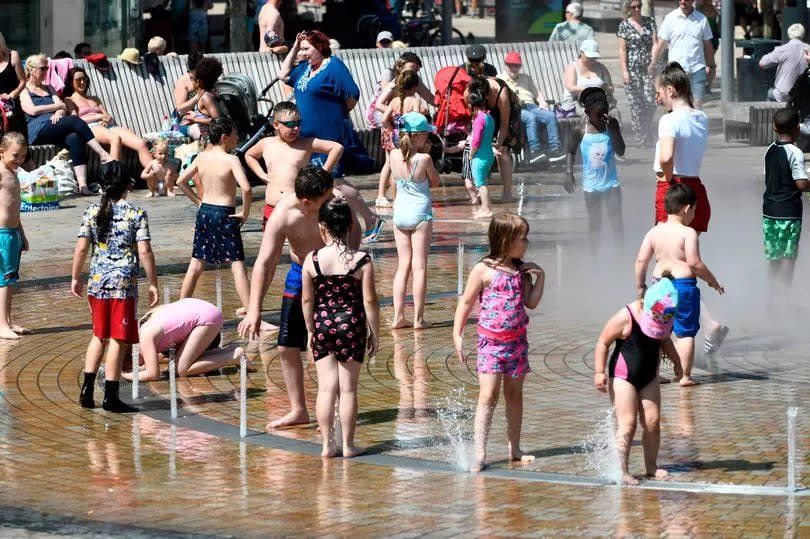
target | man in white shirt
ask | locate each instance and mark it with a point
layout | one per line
(790, 60)
(687, 34)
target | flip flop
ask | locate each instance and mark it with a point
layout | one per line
(712, 344)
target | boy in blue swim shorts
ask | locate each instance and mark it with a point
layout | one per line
(675, 248)
(294, 219)
(13, 149)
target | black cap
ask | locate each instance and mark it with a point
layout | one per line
(476, 52)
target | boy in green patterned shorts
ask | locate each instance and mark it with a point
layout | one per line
(785, 179)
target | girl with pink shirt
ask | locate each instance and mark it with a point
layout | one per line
(503, 283)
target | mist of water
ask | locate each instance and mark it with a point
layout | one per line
(602, 456)
(456, 424)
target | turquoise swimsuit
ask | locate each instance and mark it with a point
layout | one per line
(412, 203)
(481, 163)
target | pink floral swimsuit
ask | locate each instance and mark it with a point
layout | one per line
(502, 321)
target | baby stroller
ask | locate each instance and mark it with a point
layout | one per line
(452, 116)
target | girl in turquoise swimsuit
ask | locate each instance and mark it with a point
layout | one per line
(482, 154)
(415, 174)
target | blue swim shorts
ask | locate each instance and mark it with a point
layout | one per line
(217, 236)
(10, 249)
(687, 317)
(292, 328)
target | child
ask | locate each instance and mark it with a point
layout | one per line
(407, 83)
(285, 155)
(414, 174)
(295, 219)
(13, 149)
(118, 232)
(158, 170)
(785, 179)
(641, 331)
(675, 246)
(503, 283)
(206, 73)
(600, 140)
(339, 302)
(482, 155)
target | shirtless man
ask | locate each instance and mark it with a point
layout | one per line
(295, 219)
(271, 29)
(675, 248)
(13, 149)
(285, 155)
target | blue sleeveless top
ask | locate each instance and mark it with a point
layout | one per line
(598, 163)
(36, 123)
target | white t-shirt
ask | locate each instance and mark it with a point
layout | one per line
(691, 131)
(686, 35)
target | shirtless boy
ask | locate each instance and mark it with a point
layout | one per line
(158, 170)
(271, 29)
(675, 248)
(13, 149)
(285, 155)
(295, 219)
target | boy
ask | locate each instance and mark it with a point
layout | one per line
(295, 219)
(286, 154)
(158, 170)
(675, 247)
(13, 149)
(785, 179)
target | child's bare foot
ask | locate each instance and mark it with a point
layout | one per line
(519, 455)
(351, 451)
(421, 324)
(482, 215)
(19, 330)
(659, 474)
(150, 194)
(628, 479)
(329, 450)
(686, 381)
(170, 193)
(8, 333)
(400, 323)
(477, 466)
(292, 418)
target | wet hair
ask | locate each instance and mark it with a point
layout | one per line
(192, 60)
(69, 88)
(61, 54)
(285, 107)
(336, 216)
(479, 85)
(785, 121)
(675, 76)
(678, 197)
(476, 100)
(207, 71)
(220, 127)
(504, 229)
(117, 184)
(319, 41)
(312, 182)
(78, 48)
(11, 138)
(160, 143)
(406, 80)
(594, 99)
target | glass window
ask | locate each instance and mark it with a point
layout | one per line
(24, 37)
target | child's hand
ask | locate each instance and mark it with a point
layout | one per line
(240, 216)
(532, 269)
(720, 290)
(600, 381)
(372, 345)
(249, 326)
(458, 342)
(497, 151)
(76, 288)
(641, 291)
(154, 296)
(570, 183)
(25, 243)
(678, 369)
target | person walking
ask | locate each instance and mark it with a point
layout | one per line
(637, 36)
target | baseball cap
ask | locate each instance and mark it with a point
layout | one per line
(385, 35)
(476, 53)
(590, 48)
(415, 122)
(660, 304)
(513, 58)
(100, 61)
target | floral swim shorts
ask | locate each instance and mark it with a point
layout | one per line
(510, 358)
(781, 237)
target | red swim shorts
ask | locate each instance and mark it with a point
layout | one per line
(703, 210)
(114, 319)
(268, 211)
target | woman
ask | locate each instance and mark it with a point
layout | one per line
(637, 35)
(92, 110)
(193, 327)
(585, 72)
(206, 73)
(185, 93)
(12, 82)
(504, 106)
(49, 123)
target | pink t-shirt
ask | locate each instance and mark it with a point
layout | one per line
(179, 319)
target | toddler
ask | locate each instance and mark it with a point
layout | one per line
(158, 170)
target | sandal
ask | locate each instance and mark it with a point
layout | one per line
(712, 344)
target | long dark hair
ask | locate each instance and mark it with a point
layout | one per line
(117, 185)
(674, 75)
(336, 216)
(69, 89)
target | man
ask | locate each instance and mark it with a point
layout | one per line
(573, 29)
(687, 34)
(476, 56)
(457, 78)
(271, 29)
(82, 50)
(534, 111)
(791, 61)
(385, 39)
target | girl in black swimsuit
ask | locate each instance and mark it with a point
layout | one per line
(340, 309)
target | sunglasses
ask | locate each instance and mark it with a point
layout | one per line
(291, 123)
(42, 68)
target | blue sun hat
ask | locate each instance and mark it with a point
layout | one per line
(415, 122)
(660, 304)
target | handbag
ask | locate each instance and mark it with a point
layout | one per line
(560, 112)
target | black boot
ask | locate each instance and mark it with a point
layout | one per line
(111, 401)
(86, 396)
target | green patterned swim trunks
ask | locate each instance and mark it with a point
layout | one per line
(781, 237)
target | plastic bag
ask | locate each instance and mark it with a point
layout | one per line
(38, 189)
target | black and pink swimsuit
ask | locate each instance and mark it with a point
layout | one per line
(635, 358)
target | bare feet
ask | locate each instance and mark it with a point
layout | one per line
(477, 466)
(482, 215)
(421, 324)
(352, 451)
(19, 330)
(628, 479)
(519, 455)
(687, 381)
(400, 323)
(8, 333)
(659, 474)
(293, 418)
(329, 450)
(170, 193)
(150, 194)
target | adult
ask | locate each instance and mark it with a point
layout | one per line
(686, 33)
(193, 327)
(504, 107)
(49, 123)
(384, 40)
(534, 111)
(92, 110)
(477, 62)
(12, 83)
(572, 29)
(82, 50)
(462, 10)
(637, 36)
(585, 72)
(682, 136)
(271, 29)
(185, 93)
(790, 60)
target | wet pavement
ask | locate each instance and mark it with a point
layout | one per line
(74, 472)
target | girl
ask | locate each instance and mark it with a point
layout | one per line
(600, 140)
(482, 155)
(193, 326)
(407, 83)
(415, 175)
(206, 73)
(119, 234)
(339, 302)
(158, 170)
(503, 283)
(641, 331)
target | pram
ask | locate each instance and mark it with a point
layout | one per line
(452, 116)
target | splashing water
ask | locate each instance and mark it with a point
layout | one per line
(600, 449)
(792, 412)
(456, 421)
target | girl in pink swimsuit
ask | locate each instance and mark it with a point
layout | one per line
(503, 283)
(193, 327)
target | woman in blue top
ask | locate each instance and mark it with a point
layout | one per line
(600, 140)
